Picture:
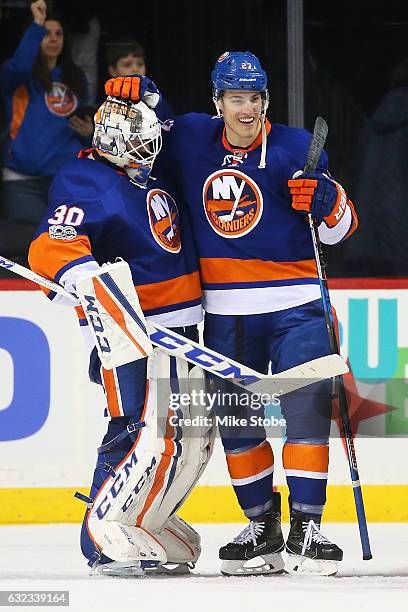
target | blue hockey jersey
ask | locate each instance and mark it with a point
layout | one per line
(256, 253)
(96, 214)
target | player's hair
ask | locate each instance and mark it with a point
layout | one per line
(121, 47)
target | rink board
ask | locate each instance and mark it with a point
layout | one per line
(51, 415)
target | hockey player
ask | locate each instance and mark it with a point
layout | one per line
(243, 183)
(103, 206)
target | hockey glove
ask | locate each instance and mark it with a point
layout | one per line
(134, 88)
(318, 195)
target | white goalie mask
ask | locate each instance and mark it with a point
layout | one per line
(128, 134)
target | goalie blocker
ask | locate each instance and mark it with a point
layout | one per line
(114, 315)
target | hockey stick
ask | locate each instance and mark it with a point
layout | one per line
(316, 147)
(177, 346)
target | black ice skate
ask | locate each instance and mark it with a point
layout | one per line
(310, 552)
(256, 550)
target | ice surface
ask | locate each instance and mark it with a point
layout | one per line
(38, 557)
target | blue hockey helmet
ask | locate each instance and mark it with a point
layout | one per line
(241, 70)
(238, 70)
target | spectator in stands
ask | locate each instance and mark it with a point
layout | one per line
(43, 90)
(125, 56)
(381, 186)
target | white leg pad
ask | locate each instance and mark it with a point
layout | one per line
(160, 470)
(125, 543)
(198, 443)
(181, 542)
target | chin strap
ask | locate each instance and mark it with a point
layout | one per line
(262, 161)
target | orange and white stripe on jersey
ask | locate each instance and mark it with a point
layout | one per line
(250, 465)
(253, 286)
(220, 270)
(185, 288)
(48, 257)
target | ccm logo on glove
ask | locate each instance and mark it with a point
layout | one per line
(318, 195)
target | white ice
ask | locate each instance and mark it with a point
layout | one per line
(47, 557)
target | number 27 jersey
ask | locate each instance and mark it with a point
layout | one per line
(255, 252)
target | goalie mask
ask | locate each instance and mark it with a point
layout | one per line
(128, 135)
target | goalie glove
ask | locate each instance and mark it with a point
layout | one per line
(318, 195)
(134, 88)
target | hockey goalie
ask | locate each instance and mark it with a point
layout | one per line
(104, 206)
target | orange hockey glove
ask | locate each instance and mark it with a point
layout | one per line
(320, 196)
(134, 88)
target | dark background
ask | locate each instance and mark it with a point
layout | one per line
(357, 41)
(350, 48)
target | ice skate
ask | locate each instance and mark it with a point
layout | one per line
(136, 568)
(310, 552)
(122, 569)
(256, 550)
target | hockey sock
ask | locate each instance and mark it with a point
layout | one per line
(306, 465)
(251, 472)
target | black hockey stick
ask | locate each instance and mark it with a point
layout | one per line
(316, 147)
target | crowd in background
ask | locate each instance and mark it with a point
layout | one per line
(51, 88)
(50, 93)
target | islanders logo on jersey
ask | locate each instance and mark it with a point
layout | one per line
(61, 100)
(232, 202)
(164, 220)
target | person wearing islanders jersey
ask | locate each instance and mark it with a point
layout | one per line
(248, 199)
(42, 90)
(105, 205)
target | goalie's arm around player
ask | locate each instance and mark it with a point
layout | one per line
(103, 206)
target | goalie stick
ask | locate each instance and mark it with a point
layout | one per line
(177, 346)
(316, 147)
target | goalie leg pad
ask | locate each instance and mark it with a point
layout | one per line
(125, 543)
(145, 472)
(197, 446)
(181, 542)
(140, 490)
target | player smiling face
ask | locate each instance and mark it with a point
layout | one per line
(241, 111)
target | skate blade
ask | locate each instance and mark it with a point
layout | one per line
(135, 569)
(171, 569)
(296, 564)
(118, 568)
(260, 566)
